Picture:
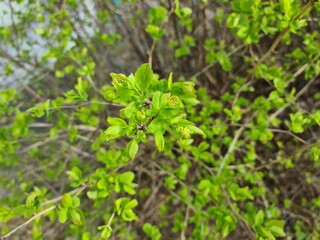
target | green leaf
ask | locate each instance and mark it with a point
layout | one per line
(277, 231)
(147, 229)
(280, 84)
(114, 132)
(171, 182)
(124, 208)
(75, 174)
(129, 110)
(191, 101)
(155, 31)
(129, 215)
(76, 202)
(247, 5)
(203, 146)
(20, 210)
(258, 219)
(185, 12)
(156, 100)
(106, 231)
(76, 216)
(92, 194)
(224, 61)
(5, 214)
(143, 77)
(116, 122)
(225, 230)
(152, 232)
(286, 7)
(102, 183)
(276, 227)
(157, 15)
(133, 203)
(129, 188)
(118, 80)
(126, 177)
(66, 201)
(182, 51)
(40, 110)
(40, 31)
(157, 125)
(159, 141)
(73, 134)
(315, 153)
(204, 185)
(233, 20)
(120, 202)
(132, 148)
(298, 121)
(31, 200)
(63, 215)
(197, 130)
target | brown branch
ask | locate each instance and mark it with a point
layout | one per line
(150, 53)
(284, 31)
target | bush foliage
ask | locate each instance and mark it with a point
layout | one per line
(159, 119)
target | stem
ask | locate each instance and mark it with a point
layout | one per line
(233, 145)
(301, 92)
(27, 222)
(74, 192)
(185, 223)
(284, 31)
(155, 41)
(151, 52)
(111, 218)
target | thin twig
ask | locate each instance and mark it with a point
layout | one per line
(233, 145)
(85, 104)
(300, 93)
(150, 52)
(153, 46)
(239, 216)
(282, 34)
(27, 222)
(74, 192)
(206, 68)
(185, 223)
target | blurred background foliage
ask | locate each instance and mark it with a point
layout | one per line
(255, 65)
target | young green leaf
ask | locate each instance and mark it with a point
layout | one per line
(5, 214)
(152, 232)
(76, 216)
(286, 7)
(126, 177)
(63, 215)
(132, 148)
(116, 122)
(159, 141)
(277, 231)
(143, 77)
(129, 215)
(106, 231)
(114, 132)
(75, 174)
(258, 220)
(66, 201)
(156, 100)
(276, 227)
(197, 130)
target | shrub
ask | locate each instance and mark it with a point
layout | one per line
(160, 120)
